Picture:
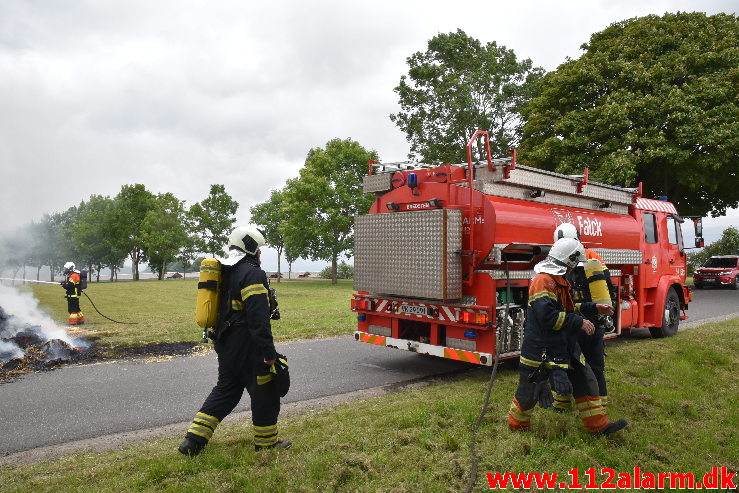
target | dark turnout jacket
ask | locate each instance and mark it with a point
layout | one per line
(553, 322)
(250, 309)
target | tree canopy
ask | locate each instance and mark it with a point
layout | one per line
(321, 204)
(270, 216)
(652, 100)
(457, 86)
(214, 218)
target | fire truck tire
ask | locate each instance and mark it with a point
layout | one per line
(736, 282)
(670, 317)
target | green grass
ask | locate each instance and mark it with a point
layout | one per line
(679, 395)
(165, 310)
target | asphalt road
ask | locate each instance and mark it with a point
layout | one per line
(83, 402)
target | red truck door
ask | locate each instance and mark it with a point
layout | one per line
(675, 251)
(650, 268)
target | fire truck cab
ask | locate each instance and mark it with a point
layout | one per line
(444, 258)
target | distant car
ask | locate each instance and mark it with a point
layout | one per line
(722, 270)
(176, 275)
(275, 275)
(304, 274)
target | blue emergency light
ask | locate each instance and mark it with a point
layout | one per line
(412, 180)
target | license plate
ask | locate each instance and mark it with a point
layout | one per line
(709, 279)
(413, 310)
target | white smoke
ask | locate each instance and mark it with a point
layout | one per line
(24, 314)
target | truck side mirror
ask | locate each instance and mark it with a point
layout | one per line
(698, 225)
(699, 242)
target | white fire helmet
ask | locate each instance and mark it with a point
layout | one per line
(566, 230)
(69, 267)
(565, 253)
(247, 238)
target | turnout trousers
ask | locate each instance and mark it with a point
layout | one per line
(73, 307)
(239, 368)
(584, 389)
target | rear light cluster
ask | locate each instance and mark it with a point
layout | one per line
(473, 318)
(362, 304)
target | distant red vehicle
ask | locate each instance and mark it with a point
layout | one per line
(275, 275)
(176, 275)
(720, 270)
(304, 274)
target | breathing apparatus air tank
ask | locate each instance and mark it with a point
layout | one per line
(209, 294)
(594, 273)
(599, 293)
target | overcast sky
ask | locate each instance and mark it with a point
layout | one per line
(181, 94)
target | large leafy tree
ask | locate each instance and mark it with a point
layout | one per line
(94, 234)
(214, 218)
(270, 216)
(652, 100)
(457, 86)
(321, 204)
(132, 204)
(163, 232)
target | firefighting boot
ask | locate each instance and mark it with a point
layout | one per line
(613, 427)
(190, 447)
(281, 444)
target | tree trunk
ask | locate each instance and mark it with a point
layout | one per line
(38, 273)
(334, 269)
(279, 270)
(51, 271)
(289, 270)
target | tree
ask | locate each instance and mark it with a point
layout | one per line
(291, 255)
(214, 219)
(457, 86)
(163, 232)
(652, 100)
(189, 249)
(132, 204)
(94, 233)
(321, 204)
(270, 216)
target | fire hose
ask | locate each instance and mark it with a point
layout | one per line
(486, 401)
(86, 295)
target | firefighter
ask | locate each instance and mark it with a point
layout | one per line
(592, 346)
(71, 285)
(550, 349)
(245, 349)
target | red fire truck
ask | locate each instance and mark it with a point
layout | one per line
(443, 259)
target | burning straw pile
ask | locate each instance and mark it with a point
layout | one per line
(30, 341)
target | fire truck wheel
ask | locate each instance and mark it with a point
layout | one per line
(736, 282)
(699, 286)
(670, 318)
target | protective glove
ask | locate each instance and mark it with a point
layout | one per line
(543, 393)
(560, 381)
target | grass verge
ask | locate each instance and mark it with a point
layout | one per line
(679, 395)
(165, 310)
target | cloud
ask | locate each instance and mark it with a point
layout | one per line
(178, 95)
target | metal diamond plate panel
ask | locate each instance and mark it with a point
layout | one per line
(622, 257)
(377, 183)
(409, 254)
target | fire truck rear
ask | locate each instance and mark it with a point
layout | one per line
(444, 258)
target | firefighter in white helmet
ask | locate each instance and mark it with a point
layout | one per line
(71, 285)
(550, 350)
(246, 351)
(592, 346)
